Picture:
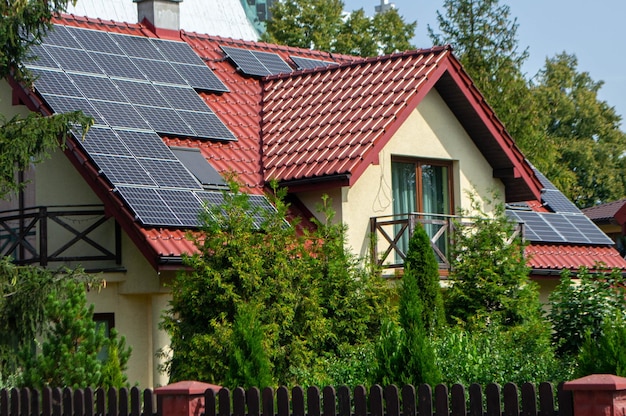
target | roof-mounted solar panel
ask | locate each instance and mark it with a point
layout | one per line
(558, 202)
(200, 77)
(256, 62)
(95, 40)
(309, 63)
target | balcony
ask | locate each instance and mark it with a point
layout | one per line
(391, 233)
(72, 236)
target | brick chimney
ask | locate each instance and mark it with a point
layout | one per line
(159, 14)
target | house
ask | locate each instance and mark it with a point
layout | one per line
(390, 139)
(611, 218)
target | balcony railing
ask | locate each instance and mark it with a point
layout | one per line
(391, 233)
(61, 235)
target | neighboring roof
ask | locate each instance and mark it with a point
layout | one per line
(611, 212)
(215, 17)
(270, 116)
(551, 259)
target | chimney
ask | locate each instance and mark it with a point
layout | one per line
(160, 14)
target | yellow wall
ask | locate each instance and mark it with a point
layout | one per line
(430, 132)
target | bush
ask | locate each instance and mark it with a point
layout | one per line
(604, 353)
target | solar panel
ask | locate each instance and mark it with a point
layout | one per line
(184, 204)
(589, 229)
(165, 120)
(179, 52)
(159, 71)
(200, 77)
(273, 62)
(117, 66)
(143, 93)
(544, 180)
(60, 36)
(148, 206)
(169, 173)
(558, 202)
(529, 234)
(207, 125)
(122, 170)
(95, 40)
(145, 144)
(120, 115)
(41, 58)
(136, 46)
(538, 229)
(182, 98)
(54, 82)
(98, 88)
(195, 162)
(103, 141)
(308, 63)
(246, 62)
(76, 60)
(62, 104)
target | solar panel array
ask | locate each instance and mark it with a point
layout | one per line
(128, 82)
(134, 88)
(549, 227)
(256, 62)
(308, 63)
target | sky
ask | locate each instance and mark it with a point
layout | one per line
(593, 31)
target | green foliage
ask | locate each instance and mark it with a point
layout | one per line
(69, 352)
(604, 354)
(578, 308)
(422, 267)
(496, 354)
(313, 298)
(405, 354)
(116, 363)
(489, 276)
(249, 365)
(319, 24)
(27, 140)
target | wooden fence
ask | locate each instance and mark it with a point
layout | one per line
(390, 401)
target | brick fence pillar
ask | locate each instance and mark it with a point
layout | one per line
(598, 394)
(185, 398)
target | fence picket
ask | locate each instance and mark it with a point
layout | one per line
(313, 400)
(25, 401)
(376, 401)
(392, 400)
(529, 400)
(360, 401)
(297, 401)
(566, 401)
(267, 401)
(546, 399)
(101, 409)
(511, 400)
(282, 401)
(457, 400)
(148, 403)
(494, 405)
(409, 400)
(57, 401)
(475, 400)
(35, 408)
(135, 401)
(239, 402)
(253, 400)
(223, 402)
(15, 402)
(46, 401)
(112, 402)
(4, 402)
(344, 401)
(79, 402)
(329, 400)
(442, 408)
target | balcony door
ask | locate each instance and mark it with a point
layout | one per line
(422, 186)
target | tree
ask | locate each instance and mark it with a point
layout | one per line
(69, 352)
(310, 298)
(489, 275)
(588, 162)
(27, 140)
(319, 24)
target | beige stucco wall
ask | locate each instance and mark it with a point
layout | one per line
(431, 132)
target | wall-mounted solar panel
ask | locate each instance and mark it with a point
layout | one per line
(95, 40)
(246, 61)
(200, 77)
(308, 63)
(273, 62)
(558, 202)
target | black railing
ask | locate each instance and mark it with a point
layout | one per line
(61, 234)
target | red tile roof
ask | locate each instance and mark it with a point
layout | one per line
(552, 258)
(320, 123)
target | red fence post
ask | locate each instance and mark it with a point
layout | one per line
(598, 394)
(185, 398)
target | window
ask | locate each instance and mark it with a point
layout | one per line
(106, 321)
(422, 186)
(195, 163)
